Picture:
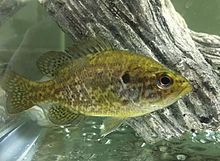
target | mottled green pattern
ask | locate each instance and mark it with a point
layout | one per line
(93, 85)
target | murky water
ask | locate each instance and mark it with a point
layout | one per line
(24, 37)
(85, 143)
(200, 15)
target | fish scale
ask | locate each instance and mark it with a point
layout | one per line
(109, 82)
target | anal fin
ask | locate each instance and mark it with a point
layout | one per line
(61, 115)
(110, 125)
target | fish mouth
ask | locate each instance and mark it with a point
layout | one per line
(187, 88)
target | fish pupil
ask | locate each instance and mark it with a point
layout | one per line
(164, 81)
(126, 78)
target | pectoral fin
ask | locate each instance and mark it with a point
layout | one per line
(110, 125)
(60, 115)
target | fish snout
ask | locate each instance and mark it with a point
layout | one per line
(187, 87)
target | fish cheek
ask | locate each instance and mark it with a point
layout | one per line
(165, 93)
(171, 94)
(152, 94)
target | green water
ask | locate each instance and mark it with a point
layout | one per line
(26, 36)
(200, 15)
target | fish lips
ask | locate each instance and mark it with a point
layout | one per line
(187, 88)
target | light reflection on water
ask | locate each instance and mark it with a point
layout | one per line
(84, 143)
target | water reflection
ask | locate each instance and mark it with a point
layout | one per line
(85, 143)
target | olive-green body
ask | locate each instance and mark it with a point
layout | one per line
(93, 85)
(109, 82)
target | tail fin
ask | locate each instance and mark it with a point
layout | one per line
(19, 92)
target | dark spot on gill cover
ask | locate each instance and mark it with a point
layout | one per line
(126, 78)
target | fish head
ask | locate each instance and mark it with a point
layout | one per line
(156, 85)
(165, 87)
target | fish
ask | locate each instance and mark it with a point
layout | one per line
(93, 78)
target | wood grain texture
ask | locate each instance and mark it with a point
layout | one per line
(154, 28)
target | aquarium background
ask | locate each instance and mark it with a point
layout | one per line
(200, 15)
(31, 32)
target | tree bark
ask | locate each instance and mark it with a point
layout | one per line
(154, 28)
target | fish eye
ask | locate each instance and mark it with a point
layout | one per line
(126, 78)
(164, 81)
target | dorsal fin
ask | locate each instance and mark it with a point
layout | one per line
(87, 46)
(49, 63)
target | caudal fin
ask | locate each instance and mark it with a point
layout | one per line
(19, 92)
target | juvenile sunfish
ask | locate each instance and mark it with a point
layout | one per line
(94, 79)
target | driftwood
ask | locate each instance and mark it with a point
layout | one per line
(154, 28)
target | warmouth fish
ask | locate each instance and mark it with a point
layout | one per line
(94, 79)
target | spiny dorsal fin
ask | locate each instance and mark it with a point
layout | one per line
(61, 115)
(87, 46)
(49, 63)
